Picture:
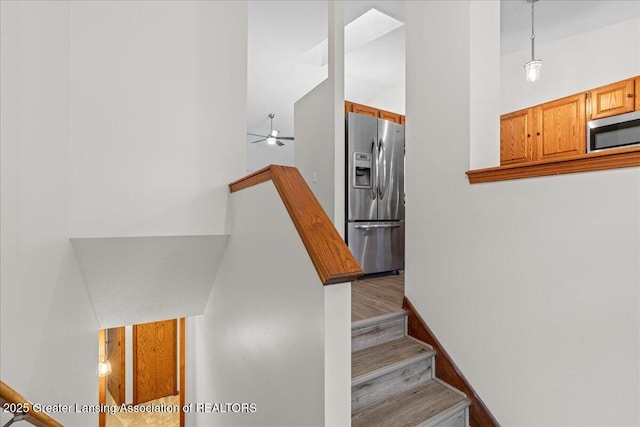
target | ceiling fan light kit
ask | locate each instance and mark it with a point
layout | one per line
(272, 137)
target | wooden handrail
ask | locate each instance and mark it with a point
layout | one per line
(37, 418)
(329, 254)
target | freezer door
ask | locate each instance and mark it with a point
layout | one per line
(390, 171)
(361, 155)
(377, 246)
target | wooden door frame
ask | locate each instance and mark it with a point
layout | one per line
(121, 332)
(102, 383)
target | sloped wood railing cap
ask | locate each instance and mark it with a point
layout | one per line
(330, 256)
(36, 418)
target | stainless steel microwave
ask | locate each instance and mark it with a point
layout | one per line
(618, 131)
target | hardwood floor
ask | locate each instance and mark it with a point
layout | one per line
(376, 296)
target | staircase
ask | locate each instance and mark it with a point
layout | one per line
(393, 379)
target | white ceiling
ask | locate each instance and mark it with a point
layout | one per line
(280, 32)
(558, 19)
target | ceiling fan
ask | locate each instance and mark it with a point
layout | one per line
(272, 137)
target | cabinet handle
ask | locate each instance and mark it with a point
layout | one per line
(629, 95)
(528, 135)
(538, 133)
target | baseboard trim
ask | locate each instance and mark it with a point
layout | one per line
(447, 370)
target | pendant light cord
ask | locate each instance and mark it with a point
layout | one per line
(533, 35)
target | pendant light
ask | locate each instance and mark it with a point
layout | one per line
(532, 68)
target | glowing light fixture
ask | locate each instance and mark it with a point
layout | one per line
(532, 68)
(271, 140)
(104, 367)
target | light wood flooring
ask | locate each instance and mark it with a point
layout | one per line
(376, 296)
(137, 419)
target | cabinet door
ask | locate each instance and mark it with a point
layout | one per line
(364, 110)
(637, 94)
(560, 127)
(516, 142)
(388, 115)
(609, 100)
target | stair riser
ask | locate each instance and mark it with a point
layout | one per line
(378, 333)
(390, 383)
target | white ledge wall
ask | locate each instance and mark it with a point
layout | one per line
(261, 339)
(531, 285)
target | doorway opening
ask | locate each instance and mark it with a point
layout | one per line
(145, 383)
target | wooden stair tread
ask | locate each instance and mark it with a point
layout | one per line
(387, 355)
(424, 404)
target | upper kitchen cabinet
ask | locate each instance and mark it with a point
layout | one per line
(637, 94)
(352, 107)
(612, 99)
(362, 109)
(516, 141)
(560, 127)
(388, 115)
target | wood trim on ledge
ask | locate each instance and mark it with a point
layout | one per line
(613, 159)
(446, 369)
(41, 419)
(329, 254)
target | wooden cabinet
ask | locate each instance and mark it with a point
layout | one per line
(637, 94)
(561, 128)
(552, 130)
(388, 115)
(363, 109)
(352, 107)
(516, 139)
(612, 99)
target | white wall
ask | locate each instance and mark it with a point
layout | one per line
(389, 99)
(261, 339)
(320, 127)
(531, 285)
(49, 348)
(158, 121)
(111, 121)
(572, 65)
(314, 154)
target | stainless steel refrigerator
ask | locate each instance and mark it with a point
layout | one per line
(375, 193)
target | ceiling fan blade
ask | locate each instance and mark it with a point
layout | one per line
(280, 143)
(256, 134)
(260, 140)
(288, 138)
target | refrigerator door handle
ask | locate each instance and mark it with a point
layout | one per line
(381, 186)
(374, 179)
(374, 226)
